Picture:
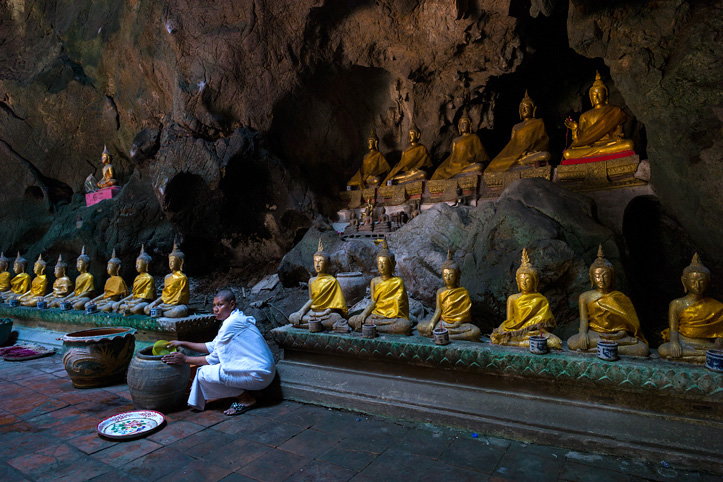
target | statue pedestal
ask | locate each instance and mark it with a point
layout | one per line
(582, 175)
(101, 195)
(605, 157)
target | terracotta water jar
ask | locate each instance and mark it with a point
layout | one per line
(155, 385)
(98, 357)
(6, 328)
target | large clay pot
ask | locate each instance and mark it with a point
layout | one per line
(154, 385)
(6, 328)
(98, 357)
(353, 286)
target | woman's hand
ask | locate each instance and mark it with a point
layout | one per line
(175, 358)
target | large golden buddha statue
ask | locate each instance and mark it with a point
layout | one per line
(20, 284)
(144, 288)
(468, 153)
(176, 294)
(62, 287)
(326, 300)
(600, 130)
(528, 144)
(696, 322)
(38, 287)
(4, 275)
(415, 160)
(389, 306)
(84, 284)
(374, 166)
(528, 312)
(454, 307)
(115, 287)
(606, 314)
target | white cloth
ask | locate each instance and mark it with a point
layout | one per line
(239, 359)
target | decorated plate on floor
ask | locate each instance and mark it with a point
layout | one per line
(136, 423)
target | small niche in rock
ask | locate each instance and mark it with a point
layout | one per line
(34, 193)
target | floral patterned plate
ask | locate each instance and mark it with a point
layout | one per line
(131, 424)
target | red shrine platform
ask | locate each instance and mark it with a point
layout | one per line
(92, 198)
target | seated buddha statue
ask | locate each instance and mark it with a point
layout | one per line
(39, 285)
(115, 287)
(20, 284)
(696, 321)
(326, 300)
(528, 312)
(176, 294)
(367, 223)
(389, 306)
(144, 288)
(414, 162)
(108, 179)
(84, 284)
(600, 130)
(528, 142)
(374, 166)
(606, 314)
(454, 307)
(468, 153)
(62, 286)
(4, 275)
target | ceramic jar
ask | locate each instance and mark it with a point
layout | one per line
(155, 385)
(538, 344)
(441, 336)
(714, 360)
(369, 330)
(607, 350)
(98, 357)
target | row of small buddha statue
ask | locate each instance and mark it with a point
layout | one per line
(598, 132)
(116, 297)
(696, 322)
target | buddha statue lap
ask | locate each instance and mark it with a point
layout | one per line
(84, 284)
(528, 143)
(176, 293)
(115, 287)
(20, 284)
(4, 275)
(696, 322)
(600, 130)
(62, 287)
(606, 314)
(144, 288)
(374, 166)
(39, 286)
(528, 312)
(468, 153)
(326, 300)
(454, 307)
(414, 162)
(389, 306)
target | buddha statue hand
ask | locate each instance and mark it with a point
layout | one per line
(584, 340)
(295, 318)
(570, 124)
(676, 351)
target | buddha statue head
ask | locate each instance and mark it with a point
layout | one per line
(598, 92)
(175, 259)
(39, 267)
(143, 260)
(113, 264)
(602, 272)
(450, 272)
(4, 262)
(20, 264)
(373, 141)
(696, 277)
(527, 107)
(414, 134)
(60, 267)
(385, 260)
(465, 123)
(527, 277)
(83, 261)
(321, 260)
(105, 156)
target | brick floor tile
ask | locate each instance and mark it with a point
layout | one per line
(91, 443)
(207, 418)
(236, 477)
(373, 436)
(15, 444)
(200, 443)
(338, 422)
(125, 452)
(236, 454)
(273, 434)
(397, 465)
(74, 428)
(318, 471)
(59, 462)
(274, 466)
(310, 443)
(7, 418)
(351, 459)
(473, 454)
(57, 417)
(9, 474)
(157, 464)
(423, 442)
(197, 471)
(174, 431)
(50, 405)
(277, 410)
(519, 463)
(577, 472)
(241, 424)
(441, 471)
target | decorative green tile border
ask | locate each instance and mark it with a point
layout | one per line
(644, 375)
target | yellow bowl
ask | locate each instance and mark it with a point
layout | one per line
(161, 348)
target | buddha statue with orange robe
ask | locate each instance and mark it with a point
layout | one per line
(606, 314)
(414, 163)
(326, 300)
(84, 284)
(4, 274)
(115, 287)
(454, 307)
(144, 288)
(696, 321)
(468, 154)
(176, 293)
(374, 166)
(20, 284)
(528, 312)
(389, 306)
(39, 285)
(62, 287)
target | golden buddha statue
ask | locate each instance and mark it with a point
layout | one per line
(374, 166)
(38, 287)
(454, 307)
(468, 153)
(176, 294)
(108, 174)
(606, 314)
(600, 130)
(326, 300)
(84, 284)
(389, 307)
(20, 284)
(414, 162)
(144, 288)
(696, 322)
(528, 142)
(4, 274)
(115, 287)
(62, 287)
(528, 312)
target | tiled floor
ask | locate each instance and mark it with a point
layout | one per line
(47, 432)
